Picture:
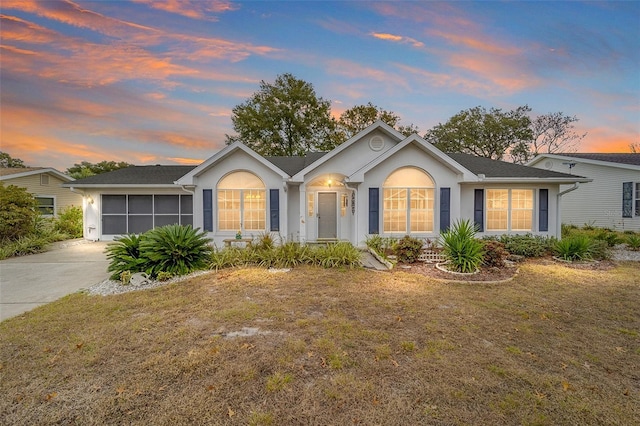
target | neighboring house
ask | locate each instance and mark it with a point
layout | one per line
(377, 182)
(611, 201)
(45, 184)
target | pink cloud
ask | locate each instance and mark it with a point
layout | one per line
(192, 9)
(398, 39)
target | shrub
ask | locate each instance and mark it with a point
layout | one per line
(69, 222)
(527, 245)
(176, 249)
(494, 254)
(407, 249)
(463, 251)
(265, 241)
(124, 255)
(600, 250)
(575, 247)
(342, 254)
(610, 237)
(633, 242)
(18, 212)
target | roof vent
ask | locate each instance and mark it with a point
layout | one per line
(548, 165)
(376, 143)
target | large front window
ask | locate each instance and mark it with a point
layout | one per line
(242, 203)
(509, 210)
(408, 202)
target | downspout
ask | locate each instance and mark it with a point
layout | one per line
(558, 209)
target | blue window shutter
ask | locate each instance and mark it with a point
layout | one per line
(445, 208)
(207, 209)
(274, 209)
(374, 210)
(478, 209)
(543, 210)
(627, 199)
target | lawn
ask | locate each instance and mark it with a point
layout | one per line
(333, 347)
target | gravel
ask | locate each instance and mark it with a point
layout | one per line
(109, 287)
(620, 253)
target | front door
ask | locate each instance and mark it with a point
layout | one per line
(327, 215)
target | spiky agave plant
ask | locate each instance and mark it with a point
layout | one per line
(124, 255)
(177, 249)
(463, 251)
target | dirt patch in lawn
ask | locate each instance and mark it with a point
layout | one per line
(315, 346)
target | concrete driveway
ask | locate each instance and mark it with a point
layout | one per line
(30, 281)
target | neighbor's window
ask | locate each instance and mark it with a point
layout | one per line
(509, 209)
(242, 204)
(408, 201)
(46, 205)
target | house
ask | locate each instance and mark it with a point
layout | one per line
(377, 182)
(611, 201)
(45, 184)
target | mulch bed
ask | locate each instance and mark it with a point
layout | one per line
(497, 274)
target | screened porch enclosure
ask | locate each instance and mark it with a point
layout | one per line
(135, 214)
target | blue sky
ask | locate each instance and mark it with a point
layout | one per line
(155, 81)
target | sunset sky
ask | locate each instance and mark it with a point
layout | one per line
(154, 82)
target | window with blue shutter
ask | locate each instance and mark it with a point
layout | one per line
(274, 209)
(543, 210)
(627, 199)
(478, 209)
(374, 210)
(207, 210)
(445, 208)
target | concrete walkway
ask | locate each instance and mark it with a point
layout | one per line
(30, 281)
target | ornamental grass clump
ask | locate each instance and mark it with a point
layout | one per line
(574, 248)
(463, 251)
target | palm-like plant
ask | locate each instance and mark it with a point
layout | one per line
(461, 248)
(124, 255)
(176, 249)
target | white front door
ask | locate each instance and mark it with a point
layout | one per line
(327, 215)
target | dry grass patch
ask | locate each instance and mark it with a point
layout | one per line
(317, 346)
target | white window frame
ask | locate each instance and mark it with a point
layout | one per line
(244, 209)
(509, 210)
(403, 204)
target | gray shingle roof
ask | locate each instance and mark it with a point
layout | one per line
(621, 158)
(137, 175)
(292, 165)
(501, 169)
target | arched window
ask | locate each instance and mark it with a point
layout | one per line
(242, 203)
(408, 202)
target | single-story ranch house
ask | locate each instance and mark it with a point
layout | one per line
(45, 184)
(377, 182)
(612, 200)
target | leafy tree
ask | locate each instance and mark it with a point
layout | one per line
(360, 117)
(7, 161)
(86, 169)
(18, 212)
(284, 118)
(490, 134)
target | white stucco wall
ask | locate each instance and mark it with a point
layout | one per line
(237, 161)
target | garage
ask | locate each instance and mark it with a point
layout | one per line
(138, 213)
